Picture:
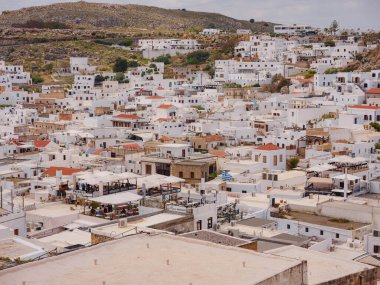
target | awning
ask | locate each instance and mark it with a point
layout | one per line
(117, 199)
(321, 168)
(348, 159)
(320, 180)
(156, 180)
(105, 177)
(349, 177)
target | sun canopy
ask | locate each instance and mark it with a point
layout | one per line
(105, 177)
(349, 177)
(157, 180)
(321, 168)
(347, 159)
(320, 180)
(117, 199)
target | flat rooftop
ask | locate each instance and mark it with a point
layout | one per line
(321, 267)
(312, 218)
(216, 237)
(142, 259)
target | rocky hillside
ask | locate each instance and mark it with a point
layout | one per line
(97, 16)
(366, 62)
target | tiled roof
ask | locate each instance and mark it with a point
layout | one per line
(365, 107)
(214, 138)
(165, 138)
(218, 153)
(127, 116)
(40, 143)
(268, 147)
(155, 97)
(131, 146)
(165, 106)
(52, 171)
(374, 91)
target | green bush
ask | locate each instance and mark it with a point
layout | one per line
(38, 24)
(292, 162)
(36, 78)
(331, 70)
(197, 57)
(166, 59)
(126, 42)
(121, 65)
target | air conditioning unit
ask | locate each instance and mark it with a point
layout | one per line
(123, 223)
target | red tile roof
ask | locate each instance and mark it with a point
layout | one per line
(132, 146)
(97, 152)
(268, 147)
(52, 171)
(165, 120)
(214, 138)
(374, 91)
(155, 97)
(40, 143)
(165, 138)
(165, 106)
(218, 153)
(127, 116)
(365, 107)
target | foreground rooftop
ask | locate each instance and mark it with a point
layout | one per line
(146, 259)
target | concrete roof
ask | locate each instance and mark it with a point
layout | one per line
(321, 267)
(142, 259)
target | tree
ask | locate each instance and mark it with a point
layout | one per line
(292, 162)
(133, 63)
(126, 42)
(121, 65)
(166, 59)
(334, 27)
(197, 57)
(119, 77)
(375, 125)
(36, 78)
(252, 21)
(99, 79)
(330, 43)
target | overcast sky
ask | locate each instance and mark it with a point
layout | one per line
(362, 14)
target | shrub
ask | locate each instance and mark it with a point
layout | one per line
(36, 78)
(126, 42)
(197, 57)
(166, 59)
(119, 77)
(331, 70)
(38, 24)
(292, 162)
(330, 43)
(121, 65)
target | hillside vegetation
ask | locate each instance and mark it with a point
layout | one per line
(96, 16)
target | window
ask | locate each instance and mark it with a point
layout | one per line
(180, 174)
(199, 225)
(307, 230)
(288, 226)
(376, 249)
(336, 235)
(281, 157)
(191, 174)
(15, 231)
(275, 160)
(148, 169)
(209, 223)
(264, 159)
(321, 232)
